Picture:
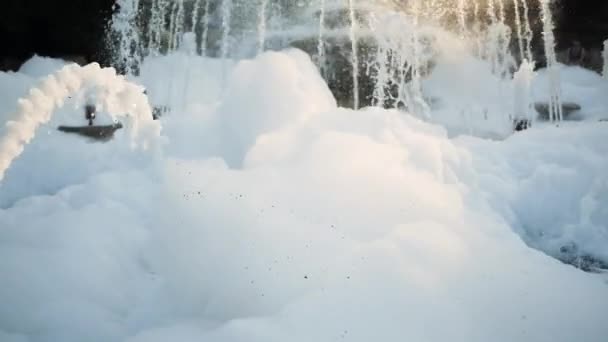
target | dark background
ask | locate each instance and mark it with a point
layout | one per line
(583, 20)
(56, 28)
(75, 28)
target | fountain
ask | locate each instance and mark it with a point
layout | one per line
(529, 35)
(205, 35)
(124, 24)
(370, 52)
(177, 28)
(155, 27)
(522, 101)
(321, 42)
(112, 93)
(415, 98)
(226, 17)
(501, 11)
(477, 29)
(519, 31)
(262, 25)
(555, 103)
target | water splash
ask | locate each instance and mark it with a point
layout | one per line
(382, 76)
(477, 29)
(196, 8)
(156, 26)
(112, 94)
(195, 20)
(356, 48)
(497, 43)
(172, 24)
(492, 12)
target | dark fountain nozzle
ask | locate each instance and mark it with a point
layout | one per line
(89, 113)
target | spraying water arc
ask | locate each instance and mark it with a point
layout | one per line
(262, 25)
(555, 91)
(113, 93)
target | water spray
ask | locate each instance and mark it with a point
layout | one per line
(519, 32)
(555, 102)
(321, 40)
(205, 36)
(262, 25)
(528, 31)
(355, 53)
(605, 55)
(226, 21)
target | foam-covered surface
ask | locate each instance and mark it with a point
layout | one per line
(273, 215)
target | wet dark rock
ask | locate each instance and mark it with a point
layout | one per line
(521, 124)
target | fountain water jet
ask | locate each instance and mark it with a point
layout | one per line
(349, 40)
(355, 53)
(555, 103)
(528, 31)
(518, 29)
(205, 35)
(605, 55)
(226, 21)
(321, 40)
(262, 25)
(177, 24)
(415, 97)
(522, 100)
(125, 25)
